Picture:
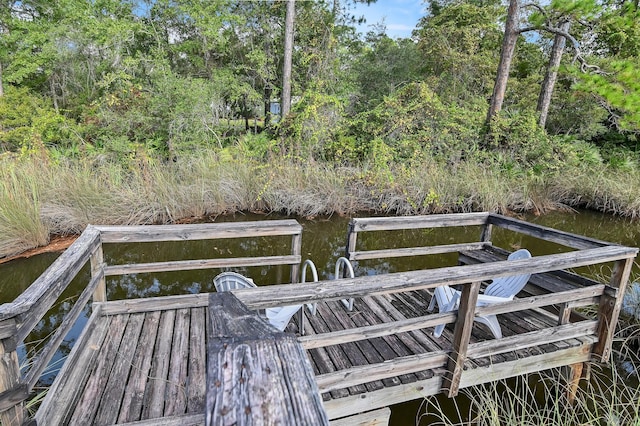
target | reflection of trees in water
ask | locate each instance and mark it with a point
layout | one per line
(323, 241)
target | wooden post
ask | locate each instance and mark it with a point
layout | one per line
(296, 250)
(609, 309)
(485, 237)
(572, 374)
(352, 235)
(97, 263)
(255, 373)
(12, 393)
(461, 335)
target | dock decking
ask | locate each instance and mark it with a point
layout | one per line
(155, 361)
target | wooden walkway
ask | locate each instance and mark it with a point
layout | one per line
(209, 359)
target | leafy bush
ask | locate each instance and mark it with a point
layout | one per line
(28, 124)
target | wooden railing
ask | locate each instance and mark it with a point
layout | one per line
(18, 319)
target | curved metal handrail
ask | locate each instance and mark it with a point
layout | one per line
(341, 263)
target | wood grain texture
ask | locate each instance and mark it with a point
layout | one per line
(190, 265)
(256, 375)
(203, 231)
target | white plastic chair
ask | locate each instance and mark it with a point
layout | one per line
(501, 290)
(278, 317)
(340, 263)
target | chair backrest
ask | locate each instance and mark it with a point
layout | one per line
(444, 295)
(510, 286)
(231, 281)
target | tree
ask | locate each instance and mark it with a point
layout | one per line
(288, 55)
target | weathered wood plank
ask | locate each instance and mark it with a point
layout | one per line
(12, 391)
(415, 251)
(461, 335)
(321, 359)
(609, 309)
(182, 420)
(48, 351)
(386, 397)
(418, 222)
(392, 368)
(34, 302)
(201, 231)
(256, 374)
(370, 418)
(11, 402)
(396, 348)
(8, 328)
(545, 233)
(197, 383)
(339, 355)
(263, 297)
(87, 407)
(97, 270)
(154, 399)
(528, 365)
(376, 330)
(151, 304)
(176, 392)
(190, 265)
(110, 400)
(133, 399)
(531, 339)
(63, 394)
(338, 319)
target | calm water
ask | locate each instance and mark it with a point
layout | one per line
(323, 241)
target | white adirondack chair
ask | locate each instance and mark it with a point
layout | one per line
(502, 289)
(278, 317)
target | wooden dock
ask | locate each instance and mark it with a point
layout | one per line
(211, 359)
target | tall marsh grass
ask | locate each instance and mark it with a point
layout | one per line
(42, 197)
(540, 400)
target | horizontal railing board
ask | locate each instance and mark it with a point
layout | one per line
(522, 366)
(415, 251)
(586, 293)
(269, 296)
(531, 339)
(188, 265)
(418, 222)
(41, 294)
(578, 297)
(392, 368)
(150, 304)
(205, 231)
(546, 233)
(432, 360)
(14, 396)
(377, 330)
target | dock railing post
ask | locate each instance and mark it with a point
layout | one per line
(12, 393)
(609, 309)
(97, 263)
(461, 336)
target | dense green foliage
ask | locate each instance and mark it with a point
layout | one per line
(121, 84)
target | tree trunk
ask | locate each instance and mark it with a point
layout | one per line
(285, 107)
(1, 84)
(544, 100)
(511, 33)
